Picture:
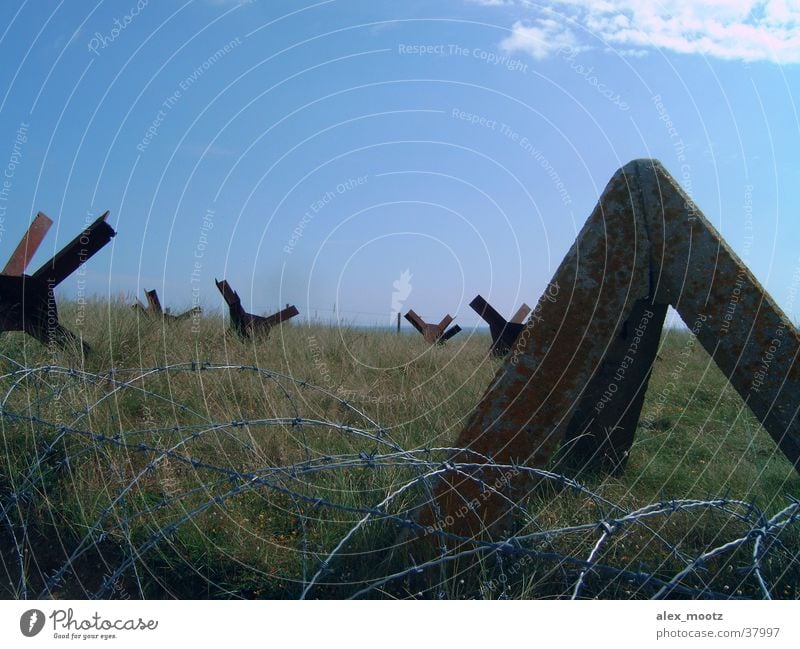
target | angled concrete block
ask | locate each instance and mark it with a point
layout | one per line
(577, 373)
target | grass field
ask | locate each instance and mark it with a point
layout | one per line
(233, 469)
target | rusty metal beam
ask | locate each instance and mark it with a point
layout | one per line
(503, 333)
(153, 302)
(76, 252)
(521, 314)
(27, 302)
(246, 324)
(230, 296)
(154, 309)
(433, 333)
(417, 322)
(281, 316)
(32, 239)
(444, 323)
(487, 312)
(234, 302)
(447, 335)
(194, 311)
(645, 246)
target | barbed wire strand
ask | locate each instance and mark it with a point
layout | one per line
(31, 394)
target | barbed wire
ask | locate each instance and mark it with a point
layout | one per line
(79, 495)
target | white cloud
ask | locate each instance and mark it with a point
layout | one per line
(748, 30)
(541, 39)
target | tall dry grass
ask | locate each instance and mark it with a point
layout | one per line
(699, 441)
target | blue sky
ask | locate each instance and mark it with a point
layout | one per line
(311, 152)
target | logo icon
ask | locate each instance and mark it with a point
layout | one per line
(402, 289)
(31, 622)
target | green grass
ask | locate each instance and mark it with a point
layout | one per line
(699, 442)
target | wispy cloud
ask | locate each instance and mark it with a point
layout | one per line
(747, 30)
(493, 3)
(540, 39)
